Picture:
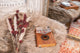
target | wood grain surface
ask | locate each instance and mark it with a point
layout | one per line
(73, 6)
(45, 43)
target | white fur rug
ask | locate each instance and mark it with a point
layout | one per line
(29, 43)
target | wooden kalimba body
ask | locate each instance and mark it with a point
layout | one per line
(45, 38)
(75, 0)
(73, 6)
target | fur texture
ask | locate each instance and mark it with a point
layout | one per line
(29, 43)
(56, 12)
(5, 39)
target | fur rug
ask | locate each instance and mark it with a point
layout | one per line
(56, 12)
(29, 45)
(5, 39)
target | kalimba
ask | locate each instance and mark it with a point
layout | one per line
(44, 37)
(73, 6)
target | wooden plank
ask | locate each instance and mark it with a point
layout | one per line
(45, 7)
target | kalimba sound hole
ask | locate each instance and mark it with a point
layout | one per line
(45, 37)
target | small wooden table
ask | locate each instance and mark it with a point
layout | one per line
(73, 6)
